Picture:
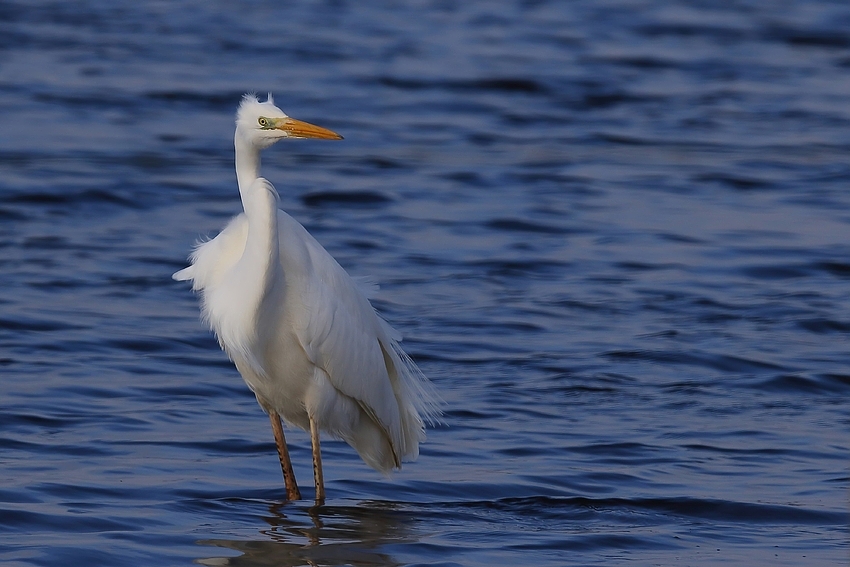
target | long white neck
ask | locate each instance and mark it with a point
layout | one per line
(259, 198)
(247, 167)
(257, 275)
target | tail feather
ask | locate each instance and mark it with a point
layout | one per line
(418, 401)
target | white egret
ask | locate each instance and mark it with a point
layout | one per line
(300, 331)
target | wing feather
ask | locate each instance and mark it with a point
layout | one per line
(339, 330)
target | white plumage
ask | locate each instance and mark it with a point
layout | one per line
(298, 328)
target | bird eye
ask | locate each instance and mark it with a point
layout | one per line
(264, 122)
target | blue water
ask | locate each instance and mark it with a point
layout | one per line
(614, 235)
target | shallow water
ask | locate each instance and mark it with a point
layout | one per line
(614, 235)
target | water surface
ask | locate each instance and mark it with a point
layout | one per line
(614, 235)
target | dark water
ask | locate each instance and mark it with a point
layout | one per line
(614, 234)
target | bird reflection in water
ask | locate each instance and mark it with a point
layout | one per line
(320, 536)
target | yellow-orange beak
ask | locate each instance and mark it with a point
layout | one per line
(298, 129)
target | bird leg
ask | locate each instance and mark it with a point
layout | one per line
(317, 461)
(292, 492)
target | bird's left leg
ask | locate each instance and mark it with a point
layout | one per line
(317, 461)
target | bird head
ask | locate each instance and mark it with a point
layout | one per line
(261, 124)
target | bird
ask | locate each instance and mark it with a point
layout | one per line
(299, 329)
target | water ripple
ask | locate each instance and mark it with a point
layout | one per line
(614, 235)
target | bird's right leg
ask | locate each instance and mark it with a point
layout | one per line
(318, 477)
(292, 492)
